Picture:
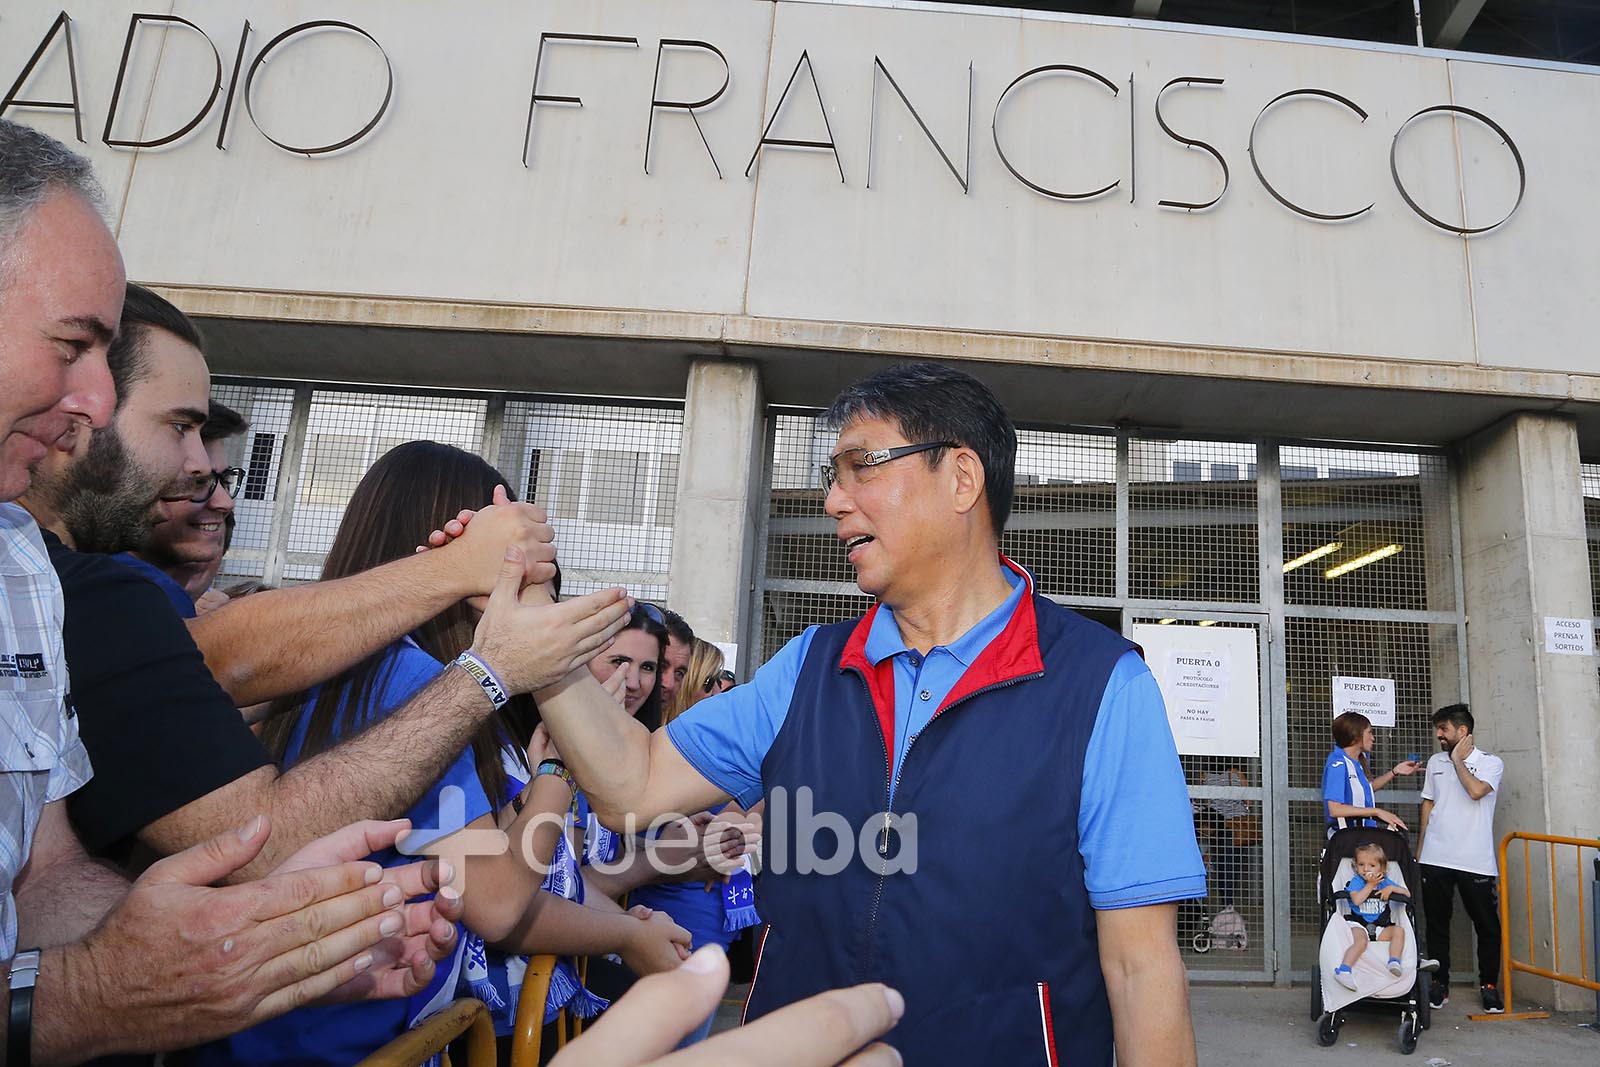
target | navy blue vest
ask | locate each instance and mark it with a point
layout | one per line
(992, 939)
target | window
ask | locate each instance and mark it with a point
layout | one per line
(333, 465)
(530, 491)
(666, 489)
(258, 471)
(1185, 470)
(615, 492)
(1224, 472)
(1294, 471)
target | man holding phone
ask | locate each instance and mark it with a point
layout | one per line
(1457, 851)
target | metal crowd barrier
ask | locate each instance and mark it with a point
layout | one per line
(1588, 972)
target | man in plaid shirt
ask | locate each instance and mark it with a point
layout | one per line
(167, 961)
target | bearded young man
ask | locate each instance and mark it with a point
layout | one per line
(1053, 833)
(193, 531)
(174, 759)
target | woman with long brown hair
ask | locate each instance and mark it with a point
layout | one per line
(1346, 788)
(513, 907)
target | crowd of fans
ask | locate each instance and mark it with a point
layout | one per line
(302, 881)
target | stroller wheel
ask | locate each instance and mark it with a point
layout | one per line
(1316, 992)
(1202, 942)
(1409, 1028)
(1327, 1028)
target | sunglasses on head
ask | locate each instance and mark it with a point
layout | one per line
(723, 677)
(651, 612)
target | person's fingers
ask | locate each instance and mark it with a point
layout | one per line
(341, 930)
(876, 1054)
(353, 842)
(424, 876)
(448, 906)
(294, 894)
(500, 495)
(438, 539)
(506, 586)
(656, 1014)
(816, 1032)
(213, 860)
(442, 931)
(454, 528)
(464, 516)
(592, 612)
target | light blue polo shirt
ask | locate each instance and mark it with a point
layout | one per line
(1135, 824)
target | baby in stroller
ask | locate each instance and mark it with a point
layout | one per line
(1370, 890)
(1368, 957)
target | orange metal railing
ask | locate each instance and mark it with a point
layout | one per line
(1588, 973)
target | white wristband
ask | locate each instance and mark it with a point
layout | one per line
(484, 675)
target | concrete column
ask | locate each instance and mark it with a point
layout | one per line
(720, 500)
(1524, 557)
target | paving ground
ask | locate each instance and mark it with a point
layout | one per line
(1269, 1027)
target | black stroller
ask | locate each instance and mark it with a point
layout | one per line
(1407, 994)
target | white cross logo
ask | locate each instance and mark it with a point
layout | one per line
(451, 839)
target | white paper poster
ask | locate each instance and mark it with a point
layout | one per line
(1569, 637)
(730, 655)
(1209, 680)
(1372, 697)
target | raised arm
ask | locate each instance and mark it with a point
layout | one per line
(711, 752)
(623, 767)
(381, 771)
(285, 640)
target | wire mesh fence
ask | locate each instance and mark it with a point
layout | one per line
(259, 451)
(1192, 513)
(1356, 529)
(1591, 523)
(605, 472)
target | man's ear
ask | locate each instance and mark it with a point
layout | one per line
(968, 479)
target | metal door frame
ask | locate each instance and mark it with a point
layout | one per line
(1274, 877)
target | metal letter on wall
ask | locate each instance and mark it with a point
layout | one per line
(1464, 230)
(1279, 197)
(62, 25)
(784, 142)
(233, 86)
(122, 71)
(995, 126)
(307, 27)
(545, 98)
(1192, 143)
(691, 106)
(964, 180)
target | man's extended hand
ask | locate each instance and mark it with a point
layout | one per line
(643, 1028)
(475, 553)
(402, 965)
(532, 643)
(182, 962)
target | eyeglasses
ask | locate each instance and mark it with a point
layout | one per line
(231, 479)
(651, 612)
(853, 466)
(719, 681)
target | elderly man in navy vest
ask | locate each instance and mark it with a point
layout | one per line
(972, 793)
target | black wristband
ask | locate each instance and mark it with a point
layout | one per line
(19, 1024)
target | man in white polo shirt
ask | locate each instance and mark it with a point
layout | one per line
(1458, 797)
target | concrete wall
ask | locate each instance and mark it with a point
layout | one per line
(720, 499)
(440, 203)
(1525, 557)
